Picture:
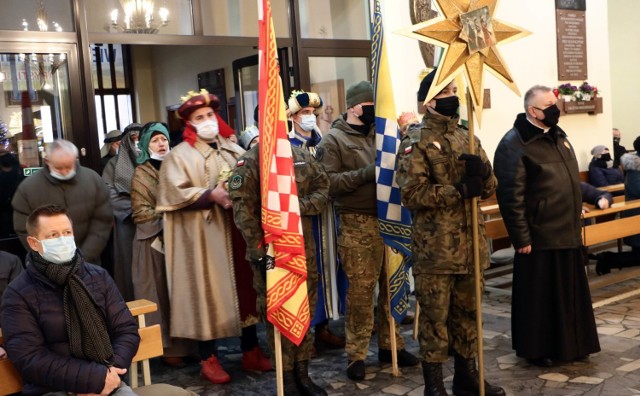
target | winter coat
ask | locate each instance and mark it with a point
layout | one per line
(631, 164)
(345, 154)
(36, 337)
(428, 169)
(600, 176)
(86, 199)
(539, 187)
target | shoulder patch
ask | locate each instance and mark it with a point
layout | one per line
(408, 149)
(240, 163)
(300, 163)
(235, 182)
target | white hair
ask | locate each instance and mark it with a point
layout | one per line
(61, 145)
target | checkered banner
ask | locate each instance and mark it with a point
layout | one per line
(394, 219)
(287, 300)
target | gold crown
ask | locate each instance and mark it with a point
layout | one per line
(193, 94)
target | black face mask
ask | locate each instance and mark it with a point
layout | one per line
(447, 106)
(551, 116)
(616, 140)
(368, 116)
(606, 157)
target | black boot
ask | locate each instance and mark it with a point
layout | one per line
(433, 385)
(305, 385)
(289, 382)
(606, 260)
(466, 379)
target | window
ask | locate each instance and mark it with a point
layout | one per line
(111, 70)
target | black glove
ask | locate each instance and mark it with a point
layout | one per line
(469, 187)
(261, 265)
(473, 166)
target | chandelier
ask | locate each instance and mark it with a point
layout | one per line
(139, 17)
(41, 20)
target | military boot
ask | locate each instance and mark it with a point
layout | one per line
(466, 379)
(289, 384)
(306, 387)
(433, 385)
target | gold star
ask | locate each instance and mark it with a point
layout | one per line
(469, 34)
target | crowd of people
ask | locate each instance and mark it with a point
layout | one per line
(181, 226)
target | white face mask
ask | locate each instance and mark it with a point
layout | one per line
(157, 156)
(58, 250)
(207, 129)
(62, 177)
(307, 122)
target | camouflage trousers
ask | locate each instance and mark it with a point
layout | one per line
(447, 314)
(361, 251)
(290, 352)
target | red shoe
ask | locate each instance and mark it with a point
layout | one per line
(213, 371)
(254, 360)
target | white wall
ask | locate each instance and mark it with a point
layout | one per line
(531, 60)
(624, 41)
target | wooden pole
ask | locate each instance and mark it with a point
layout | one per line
(279, 371)
(476, 252)
(392, 321)
(415, 320)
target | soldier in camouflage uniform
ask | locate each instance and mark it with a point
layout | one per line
(313, 193)
(438, 178)
(348, 153)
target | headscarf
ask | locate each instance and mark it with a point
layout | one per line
(124, 166)
(149, 130)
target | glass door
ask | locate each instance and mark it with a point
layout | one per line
(47, 78)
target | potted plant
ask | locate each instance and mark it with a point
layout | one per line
(567, 91)
(586, 92)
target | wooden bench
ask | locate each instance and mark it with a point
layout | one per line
(150, 346)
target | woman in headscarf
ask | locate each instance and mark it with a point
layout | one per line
(149, 273)
(118, 174)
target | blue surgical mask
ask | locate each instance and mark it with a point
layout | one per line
(58, 250)
(62, 177)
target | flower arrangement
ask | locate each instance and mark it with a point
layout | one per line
(586, 91)
(567, 89)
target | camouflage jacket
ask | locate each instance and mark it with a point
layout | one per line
(244, 191)
(428, 168)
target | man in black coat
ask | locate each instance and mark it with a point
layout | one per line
(540, 201)
(65, 324)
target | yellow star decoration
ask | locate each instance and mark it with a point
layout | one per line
(460, 53)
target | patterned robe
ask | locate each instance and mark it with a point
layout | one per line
(198, 249)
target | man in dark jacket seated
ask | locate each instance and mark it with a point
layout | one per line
(66, 327)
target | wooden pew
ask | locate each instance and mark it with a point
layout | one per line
(150, 346)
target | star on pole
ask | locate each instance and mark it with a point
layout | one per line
(458, 31)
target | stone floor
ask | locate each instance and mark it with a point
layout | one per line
(613, 371)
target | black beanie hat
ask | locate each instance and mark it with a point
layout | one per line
(425, 84)
(636, 144)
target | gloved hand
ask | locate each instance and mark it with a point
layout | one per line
(473, 166)
(469, 187)
(261, 265)
(369, 172)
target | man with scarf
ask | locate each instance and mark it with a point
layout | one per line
(540, 201)
(199, 254)
(348, 153)
(66, 326)
(601, 170)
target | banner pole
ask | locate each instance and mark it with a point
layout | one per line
(476, 253)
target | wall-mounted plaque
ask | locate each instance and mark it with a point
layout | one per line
(572, 45)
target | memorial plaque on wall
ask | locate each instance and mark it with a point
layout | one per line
(572, 45)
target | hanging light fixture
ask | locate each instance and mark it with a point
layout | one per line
(139, 17)
(41, 20)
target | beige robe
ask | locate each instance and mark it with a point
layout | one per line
(200, 276)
